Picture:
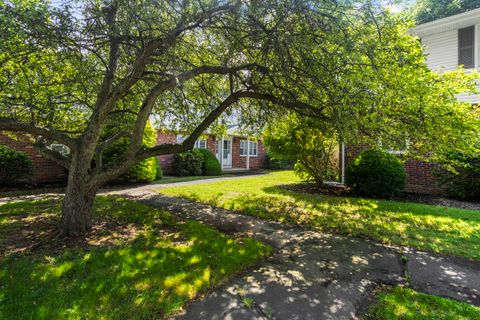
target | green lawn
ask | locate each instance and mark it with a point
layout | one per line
(407, 304)
(433, 228)
(170, 179)
(141, 264)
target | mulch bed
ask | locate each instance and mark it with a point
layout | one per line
(339, 190)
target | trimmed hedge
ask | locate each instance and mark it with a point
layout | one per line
(15, 167)
(376, 173)
(188, 163)
(145, 171)
(211, 165)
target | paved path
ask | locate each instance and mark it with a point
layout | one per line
(314, 275)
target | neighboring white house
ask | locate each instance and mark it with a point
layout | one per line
(451, 42)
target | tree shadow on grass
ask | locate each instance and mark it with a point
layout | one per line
(431, 228)
(151, 276)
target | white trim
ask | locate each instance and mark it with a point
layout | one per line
(457, 21)
(476, 47)
(248, 148)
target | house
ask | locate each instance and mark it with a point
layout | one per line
(449, 43)
(234, 151)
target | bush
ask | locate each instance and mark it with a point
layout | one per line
(188, 163)
(15, 167)
(307, 143)
(211, 165)
(464, 181)
(146, 170)
(376, 173)
(278, 163)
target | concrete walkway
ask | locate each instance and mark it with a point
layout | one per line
(314, 275)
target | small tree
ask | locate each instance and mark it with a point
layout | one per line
(307, 143)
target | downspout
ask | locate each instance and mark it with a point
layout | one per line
(248, 154)
(343, 163)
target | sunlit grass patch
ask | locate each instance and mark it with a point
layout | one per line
(150, 276)
(407, 304)
(434, 228)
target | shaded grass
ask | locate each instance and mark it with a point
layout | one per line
(407, 304)
(434, 228)
(151, 276)
(189, 178)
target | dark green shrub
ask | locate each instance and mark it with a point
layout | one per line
(188, 163)
(144, 171)
(159, 170)
(211, 165)
(278, 163)
(376, 173)
(463, 184)
(15, 167)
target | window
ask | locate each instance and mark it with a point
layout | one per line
(244, 147)
(466, 47)
(60, 148)
(399, 146)
(200, 143)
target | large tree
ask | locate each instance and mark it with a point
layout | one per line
(88, 73)
(429, 10)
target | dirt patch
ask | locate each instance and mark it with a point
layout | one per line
(32, 232)
(331, 189)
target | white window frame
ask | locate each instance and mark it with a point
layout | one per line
(393, 151)
(197, 144)
(249, 148)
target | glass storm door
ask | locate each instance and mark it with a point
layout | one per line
(227, 153)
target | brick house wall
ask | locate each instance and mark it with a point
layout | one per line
(239, 161)
(45, 171)
(419, 174)
(212, 144)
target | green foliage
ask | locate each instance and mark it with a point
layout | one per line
(277, 162)
(376, 173)
(307, 143)
(152, 275)
(145, 171)
(188, 163)
(463, 180)
(211, 165)
(15, 167)
(429, 10)
(407, 304)
(436, 228)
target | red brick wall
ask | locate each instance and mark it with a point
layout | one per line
(237, 160)
(419, 174)
(45, 171)
(166, 160)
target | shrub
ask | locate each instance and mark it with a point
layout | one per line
(276, 162)
(307, 143)
(15, 167)
(464, 181)
(376, 173)
(211, 165)
(146, 170)
(188, 163)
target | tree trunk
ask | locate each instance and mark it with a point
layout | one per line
(77, 205)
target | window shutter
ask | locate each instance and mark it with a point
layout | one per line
(466, 47)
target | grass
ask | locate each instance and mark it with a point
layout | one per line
(149, 274)
(433, 228)
(407, 304)
(171, 179)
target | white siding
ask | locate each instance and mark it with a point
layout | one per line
(442, 54)
(442, 50)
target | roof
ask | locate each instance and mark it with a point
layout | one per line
(454, 22)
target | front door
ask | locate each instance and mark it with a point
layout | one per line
(227, 153)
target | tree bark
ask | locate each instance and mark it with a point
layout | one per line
(78, 203)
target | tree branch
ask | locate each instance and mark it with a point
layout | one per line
(41, 146)
(13, 125)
